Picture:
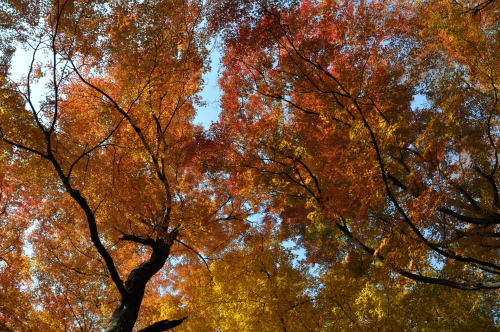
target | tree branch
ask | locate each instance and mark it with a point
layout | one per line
(163, 325)
(196, 252)
(137, 239)
(419, 277)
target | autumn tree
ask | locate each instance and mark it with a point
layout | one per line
(319, 112)
(362, 133)
(102, 165)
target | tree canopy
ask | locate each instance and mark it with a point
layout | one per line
(349, 184)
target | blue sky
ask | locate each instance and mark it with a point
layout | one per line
(211, 93)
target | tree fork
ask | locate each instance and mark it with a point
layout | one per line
(125, 315)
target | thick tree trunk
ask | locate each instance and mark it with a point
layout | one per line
(125, 315)
(127, 311)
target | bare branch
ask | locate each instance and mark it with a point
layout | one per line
(195, 252)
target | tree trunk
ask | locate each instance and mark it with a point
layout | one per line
(127, 311)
